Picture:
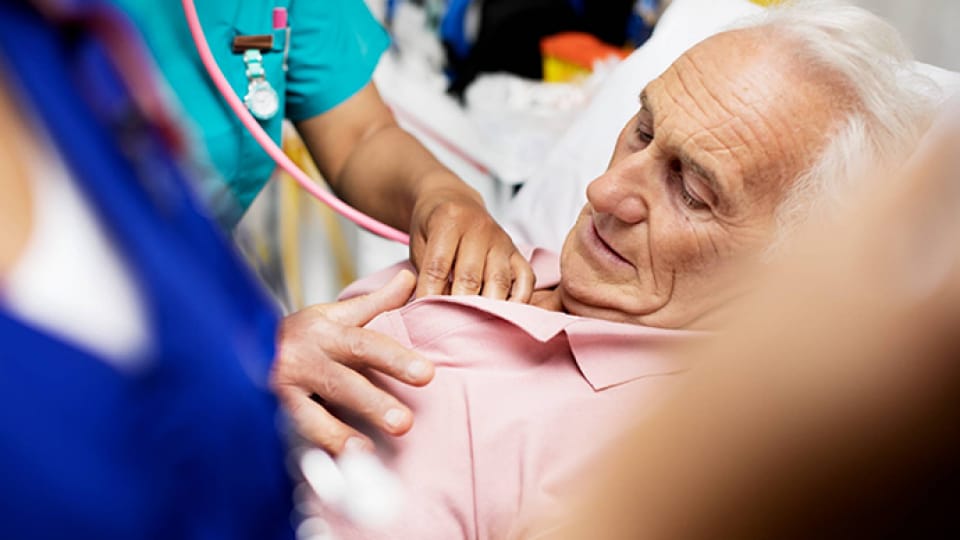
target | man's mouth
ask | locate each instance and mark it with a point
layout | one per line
(603, 245)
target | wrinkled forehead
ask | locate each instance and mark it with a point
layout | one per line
(740, 103)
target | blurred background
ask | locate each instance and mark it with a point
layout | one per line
(928, 26)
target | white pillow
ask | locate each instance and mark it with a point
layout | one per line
(549, 202)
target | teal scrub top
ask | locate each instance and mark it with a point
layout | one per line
(326, 53)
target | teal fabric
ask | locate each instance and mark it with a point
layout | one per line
(334, 47)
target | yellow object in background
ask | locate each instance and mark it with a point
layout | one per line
(291, 201)
(557, 70)
(766, 2)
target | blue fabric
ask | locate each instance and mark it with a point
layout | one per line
(187, 446)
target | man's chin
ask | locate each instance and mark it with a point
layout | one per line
(611, 305)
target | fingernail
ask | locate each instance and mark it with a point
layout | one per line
(418, 369)
(394, 417)
(355, 444)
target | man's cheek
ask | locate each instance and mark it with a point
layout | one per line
(694, 251)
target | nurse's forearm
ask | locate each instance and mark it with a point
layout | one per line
(373, 164)
(391, 171)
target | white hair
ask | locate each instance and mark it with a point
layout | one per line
(893, 104)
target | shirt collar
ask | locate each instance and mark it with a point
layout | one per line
(606, 353)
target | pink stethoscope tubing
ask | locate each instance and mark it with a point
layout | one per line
(271, 148)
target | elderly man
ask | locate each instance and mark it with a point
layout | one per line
(742, 137)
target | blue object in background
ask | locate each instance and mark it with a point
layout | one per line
(391, 9)
(642, 20)
(453, 27)
(579, 6)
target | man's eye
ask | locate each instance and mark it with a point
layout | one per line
(689, 199)
(644, 134)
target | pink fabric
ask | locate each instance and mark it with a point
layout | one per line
(521, 400)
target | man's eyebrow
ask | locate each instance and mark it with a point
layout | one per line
(706, 174)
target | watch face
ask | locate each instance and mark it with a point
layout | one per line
(262, 100)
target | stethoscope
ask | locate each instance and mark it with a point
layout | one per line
(262, 99)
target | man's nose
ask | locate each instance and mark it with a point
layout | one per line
(622, 190)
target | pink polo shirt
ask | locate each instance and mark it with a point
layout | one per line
(521, 400)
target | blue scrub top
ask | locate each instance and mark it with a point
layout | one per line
(186, 446)
(332, 50)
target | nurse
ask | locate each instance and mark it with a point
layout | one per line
(311, 62)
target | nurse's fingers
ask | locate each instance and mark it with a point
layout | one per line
(318, 426)
(498, 276)
(437, 261)
(468, 271)
(360, 310)
(523, 279)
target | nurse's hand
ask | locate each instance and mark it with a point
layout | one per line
(459, 249)
(322, 350)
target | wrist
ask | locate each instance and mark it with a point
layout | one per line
(443, 185)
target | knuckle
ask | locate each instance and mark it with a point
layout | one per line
(295, 407)
(468, 281)
(435, 270)
(328, 388)
(500, 280)
(357, 348)
(355, 344)
(329, 385)
(449, 210)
